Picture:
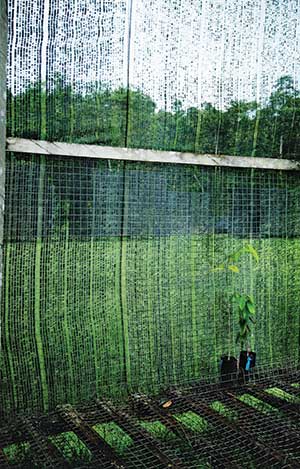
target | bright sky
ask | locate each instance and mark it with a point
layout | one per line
(193, 50)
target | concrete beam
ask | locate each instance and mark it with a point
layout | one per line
(40, 147)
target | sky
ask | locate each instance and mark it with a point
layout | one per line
(194, 51)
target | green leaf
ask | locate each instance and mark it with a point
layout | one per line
(251, 298)
(244, 315)
(218, 268)
(234, 268)
(252, 251)
(242, 302)
(235, 256)
(236, 297)
(251, 307)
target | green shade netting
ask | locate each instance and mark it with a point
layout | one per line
(108, 266)
(108, 274)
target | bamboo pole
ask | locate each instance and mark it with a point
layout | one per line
(91, 288)
(123, 277)
(37, 288)
(65, 309)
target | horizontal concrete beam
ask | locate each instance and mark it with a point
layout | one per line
(40, 147)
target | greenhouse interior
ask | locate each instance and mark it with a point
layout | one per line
(150, 234)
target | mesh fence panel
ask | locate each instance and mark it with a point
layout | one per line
(108, 274)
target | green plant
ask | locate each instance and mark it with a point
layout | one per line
(246, 309)
(72, 448)
(115, 436)
(243, 301)
(192, 421)
(158, 430)
(258, 404)
(19, 453)
(225, 411)
(281, 394)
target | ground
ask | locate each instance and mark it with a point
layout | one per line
(248, 425)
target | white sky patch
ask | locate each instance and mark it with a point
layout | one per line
(194, 51)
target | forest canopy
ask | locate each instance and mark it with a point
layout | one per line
(127, 117)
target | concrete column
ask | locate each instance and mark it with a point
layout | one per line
(3, 51)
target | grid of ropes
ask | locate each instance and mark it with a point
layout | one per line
(197, 426)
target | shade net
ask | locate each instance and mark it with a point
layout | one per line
(188, 75)
(109, 279)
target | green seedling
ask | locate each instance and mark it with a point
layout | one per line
(158, 430)
(192, 421)
(71, 447)
(114, 436)
(223, 410)
(18, 453)
(257, 404)
(277, 392)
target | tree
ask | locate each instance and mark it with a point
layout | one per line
(120, 117)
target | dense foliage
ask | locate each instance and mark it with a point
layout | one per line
(130, 118)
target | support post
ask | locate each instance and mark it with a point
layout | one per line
(3, 54)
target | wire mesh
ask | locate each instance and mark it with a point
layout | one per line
(108, 266)
(109, 275)
(200, 427)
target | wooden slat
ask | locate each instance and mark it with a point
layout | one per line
(40, 147)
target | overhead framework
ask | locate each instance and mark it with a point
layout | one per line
(41, 147)
(3, 60)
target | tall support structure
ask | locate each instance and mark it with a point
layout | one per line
(3, 49)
